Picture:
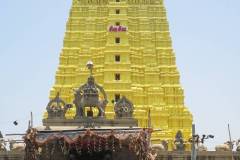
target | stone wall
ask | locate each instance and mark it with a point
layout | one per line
(211, 155)
(10, 155)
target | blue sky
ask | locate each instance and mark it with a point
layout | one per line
(205, 37)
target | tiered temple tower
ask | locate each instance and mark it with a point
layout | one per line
(130, 45)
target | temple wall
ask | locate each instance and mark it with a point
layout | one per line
(211, 155)
(11, 155)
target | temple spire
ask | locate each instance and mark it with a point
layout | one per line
(90, 67)
(130, 45)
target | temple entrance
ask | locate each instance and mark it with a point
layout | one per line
(123, 154)
(103, 155)
(87, 144)
(55, 151)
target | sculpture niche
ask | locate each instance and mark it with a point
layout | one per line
(88, 96)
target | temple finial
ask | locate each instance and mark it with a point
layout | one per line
(90, 67)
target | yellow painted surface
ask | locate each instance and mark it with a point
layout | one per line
(147, 67)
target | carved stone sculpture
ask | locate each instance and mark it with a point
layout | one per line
(57, 108)
(88, 96)
(179, 142)
(123, 108)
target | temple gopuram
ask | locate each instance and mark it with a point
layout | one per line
(117, 92)
(130, 45)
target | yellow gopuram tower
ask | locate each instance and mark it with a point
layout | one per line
(130, 45)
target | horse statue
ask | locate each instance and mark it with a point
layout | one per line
(88, 96)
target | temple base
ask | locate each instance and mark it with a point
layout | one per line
(91, 122)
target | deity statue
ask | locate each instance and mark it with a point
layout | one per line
(179, 142)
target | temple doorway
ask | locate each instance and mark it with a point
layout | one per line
(123, 154)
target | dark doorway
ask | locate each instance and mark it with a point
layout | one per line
(85, 155)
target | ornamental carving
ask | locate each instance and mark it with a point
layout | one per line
(57, 108)
(123, 108)
(88, 96)
(131, 144)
